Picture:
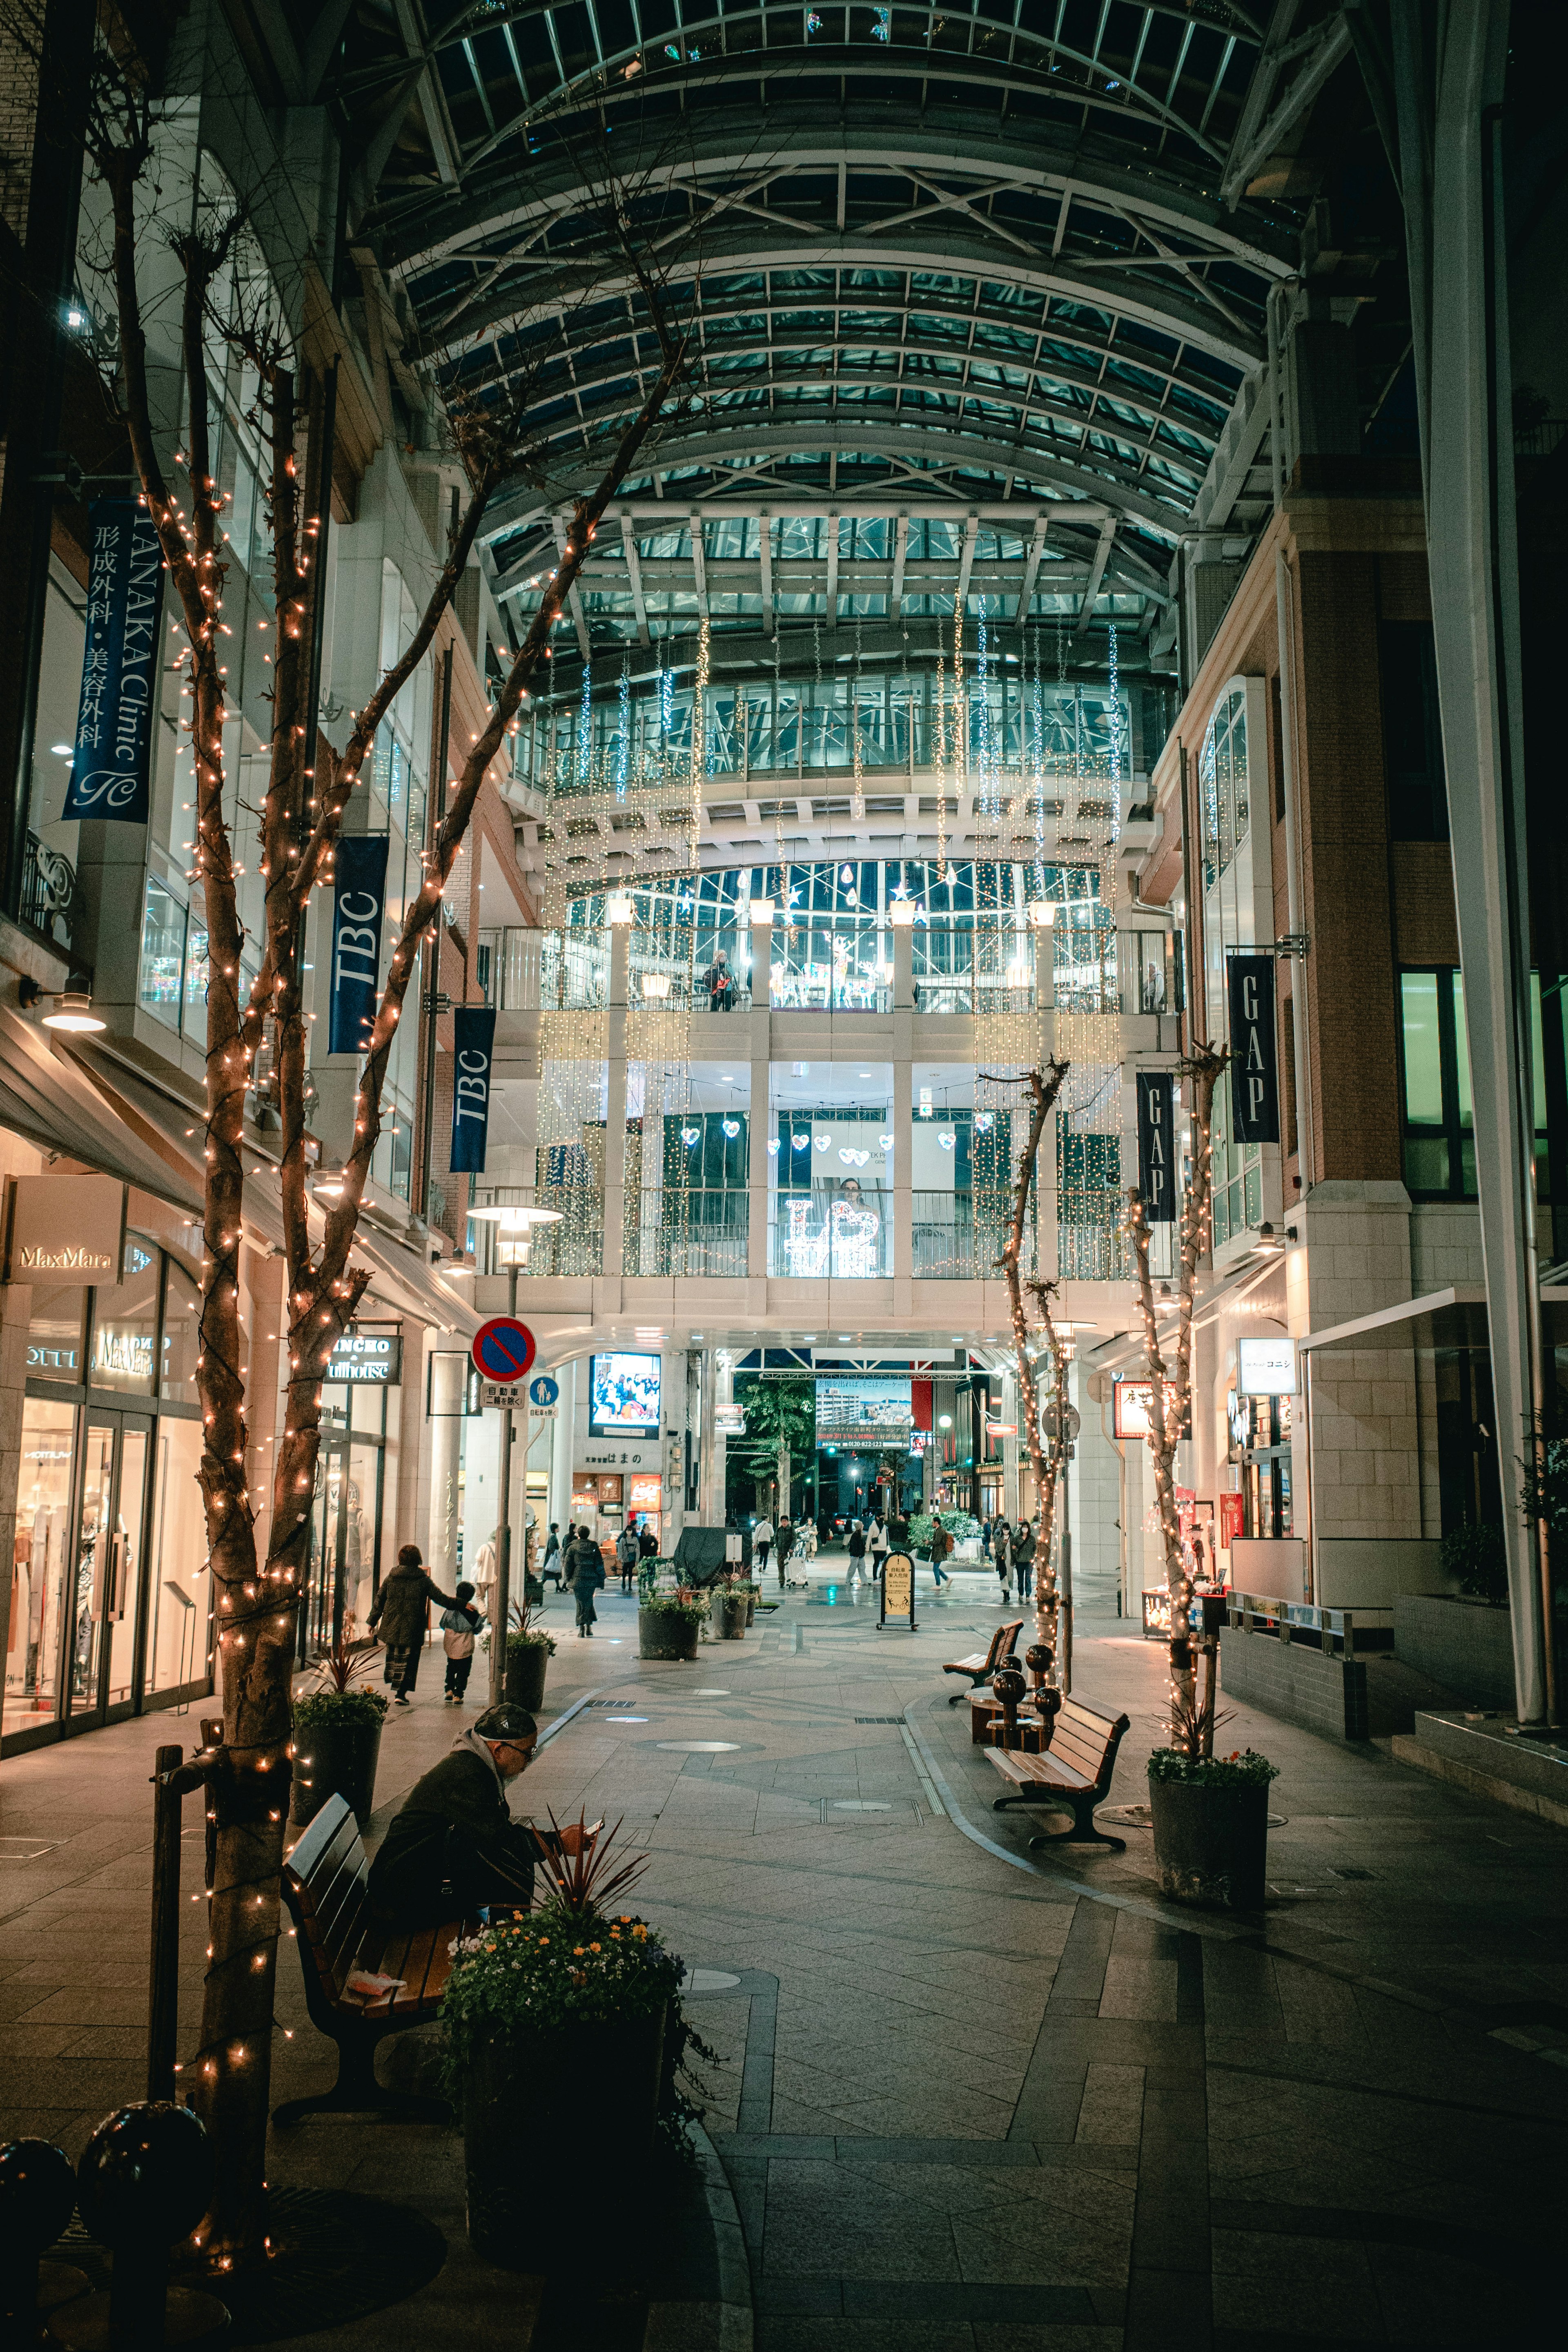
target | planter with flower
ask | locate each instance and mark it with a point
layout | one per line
(337, 1733)
(556, 2026)
(1211, 1826)
(670, 1622)
(731, 1604)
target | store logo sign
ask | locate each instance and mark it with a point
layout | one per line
(1254, 1050)
(368, 1356)
(66, 1230)
(1156, 1180)
(474, 1040)
(111, 757)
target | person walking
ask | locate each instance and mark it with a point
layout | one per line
(786, 1544)
(719, 982)
(879, 1547)
(986, 1538)
(400, 1612)
(628, 1551)
(857, 1550)
(1023, 1557)
(1002, 1557)
(761, 1543)
(552, 1565)
(647, 1543)
(941, 1545)
(459, 1625)
(585, 1574)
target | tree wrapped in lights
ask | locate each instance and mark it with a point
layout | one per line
(1044, 1086)
(1167, 1362)
(308, 787)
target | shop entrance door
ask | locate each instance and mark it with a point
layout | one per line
(106, 1631)
(344, 1539)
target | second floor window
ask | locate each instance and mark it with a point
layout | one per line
(1436, 1117)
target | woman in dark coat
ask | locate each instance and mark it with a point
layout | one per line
(1002, 1555)
(857, 1549)
(1023, 1557)
(400, 1611)
(585, 1574)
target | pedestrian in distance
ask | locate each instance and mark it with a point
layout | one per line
(628, 1551)
(1002, 1556)
(585, 1574)
(459, 1625)
(857, 1550)
(986, 1538)
(1023, 1557)
(878, 1546)
(941, 1545)
(761, 1543)
(647, 1543)
(784, 1545)
(719, 982)
(552, 1565)
(400, 1614)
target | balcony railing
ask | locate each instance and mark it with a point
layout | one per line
(685, 1233)
(966, 993)
(959, 1236)
(48, 892)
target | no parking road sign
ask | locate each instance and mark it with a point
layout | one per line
(502, 1349)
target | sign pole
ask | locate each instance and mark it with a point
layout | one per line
(500, 1623)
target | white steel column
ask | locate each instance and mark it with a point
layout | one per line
(757, 1116)
(615, 1105)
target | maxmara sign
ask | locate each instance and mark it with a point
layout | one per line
(65, 1230)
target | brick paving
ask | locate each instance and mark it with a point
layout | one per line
(971, 2100)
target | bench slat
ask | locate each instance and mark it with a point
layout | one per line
(316, 1866)
(1023, 1770)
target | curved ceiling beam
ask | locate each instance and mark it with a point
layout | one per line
(1153, 303)
(521, 202)
(517, 505)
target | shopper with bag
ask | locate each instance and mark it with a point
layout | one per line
(401, 1613)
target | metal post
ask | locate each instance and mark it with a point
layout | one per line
(420, 1204)
(501, 1617)
(164, 1977)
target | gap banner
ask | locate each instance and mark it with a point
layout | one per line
(1157, 1146)
(113, 754)
(474, 1040)
(360, 881)
(1254, 1050)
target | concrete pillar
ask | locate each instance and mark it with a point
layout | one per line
(903, 1161)
(760, 1160)
(559, 1506)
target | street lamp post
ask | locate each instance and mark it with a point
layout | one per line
(514, 1225)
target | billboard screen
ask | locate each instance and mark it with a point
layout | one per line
(624, 1396)
(861, 1406)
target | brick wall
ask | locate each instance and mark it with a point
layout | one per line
(1295, 1682)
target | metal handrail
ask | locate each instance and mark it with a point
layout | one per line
(1244, 1609)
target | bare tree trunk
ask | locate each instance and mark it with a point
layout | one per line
(1044, 1086)
(1170, 1385)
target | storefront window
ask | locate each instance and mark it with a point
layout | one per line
(41, 1553)
(125, 1325)
(55, 1334)
(179, 1600)
(182, 1335)
(163, 953)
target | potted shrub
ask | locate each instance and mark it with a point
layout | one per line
(731, 1606)
(337, 1734)
(668, 1624)
(529, 1650)
(753, 1595)
(1211, 1826)
(555, 2029)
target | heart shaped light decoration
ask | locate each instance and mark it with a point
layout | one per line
(846, 1155)
(773, 1147)
(690, 1135)
(821, 1141)
(984, 1120)
(731, 1126)
(800, 1141)
(947, 1141)
(885, 1142)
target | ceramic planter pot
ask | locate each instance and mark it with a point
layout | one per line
(587, 2093)
(335, 1759)
(751, 1608)
(526, 1675)
(730, 1616)
(1211, 1843)
(666, 1633)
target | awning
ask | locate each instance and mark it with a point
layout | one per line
(1455, 1317)
(45, 1096)
(402, 1278)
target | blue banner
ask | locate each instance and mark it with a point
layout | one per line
(1254, 1050)
(112, 761)
(1157, 1146)
(359, 872)
(474, 1039)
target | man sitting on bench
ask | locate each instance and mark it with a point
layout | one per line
(453, 1845)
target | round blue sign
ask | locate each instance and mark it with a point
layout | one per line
(544, 1391)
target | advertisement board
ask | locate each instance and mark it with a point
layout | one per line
(860, 1405)
(1265, 1367)
(624, 1396)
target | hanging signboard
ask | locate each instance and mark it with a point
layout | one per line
(474, 1039)
(111, 760)
(1254, 1050)
(359, 894)
(1265, 1367)
(1156, 1158)
(367, 1355)
(897, 1591)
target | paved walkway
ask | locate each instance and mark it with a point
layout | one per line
(969, 2100)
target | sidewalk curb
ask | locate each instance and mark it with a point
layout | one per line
(724, 2326)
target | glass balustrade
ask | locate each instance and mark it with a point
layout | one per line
(696, 1233)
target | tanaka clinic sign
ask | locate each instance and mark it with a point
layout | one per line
(64, 1231)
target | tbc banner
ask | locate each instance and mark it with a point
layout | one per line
(1155, 1153)
(1254, 1050)
(474, 1038)
(358, 894)
(120, 667)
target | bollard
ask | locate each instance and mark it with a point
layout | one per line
(145, 2181)
(37, 2198)
(1009, 1686)
(163, 1983)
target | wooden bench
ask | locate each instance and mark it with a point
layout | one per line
(1072, 1776)
(326, 1880)
(981, 1666)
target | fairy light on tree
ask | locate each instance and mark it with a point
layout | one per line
(1167, 1363)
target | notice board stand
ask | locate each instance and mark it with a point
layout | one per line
(898, 1592)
